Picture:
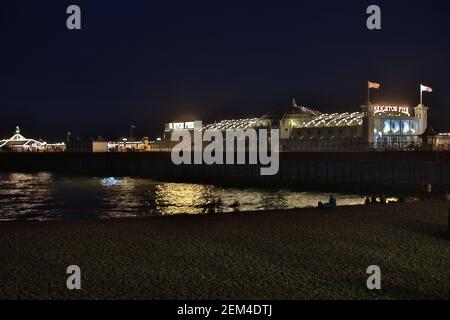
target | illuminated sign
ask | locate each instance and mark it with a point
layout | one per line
(190, 125)
(389, 108)
(178, 126)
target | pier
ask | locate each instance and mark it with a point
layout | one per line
(378, 172)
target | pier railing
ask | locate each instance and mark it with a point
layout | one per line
(352, 147)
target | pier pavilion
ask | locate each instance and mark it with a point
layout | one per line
(18, 143)
(372, 127)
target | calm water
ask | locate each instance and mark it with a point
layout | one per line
(46, 196)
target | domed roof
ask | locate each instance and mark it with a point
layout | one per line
(293, 112)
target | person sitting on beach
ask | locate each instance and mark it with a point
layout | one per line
(235, 206)
(373, 199)
(330, 205)
(333, 202)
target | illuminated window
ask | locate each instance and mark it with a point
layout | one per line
(406, 127)
(395, 127)
(386, 127)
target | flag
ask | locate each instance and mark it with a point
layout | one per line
(132, 126)
(374, 85)
(425, 88)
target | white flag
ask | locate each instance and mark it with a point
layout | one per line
(373, 85)
(425, 88)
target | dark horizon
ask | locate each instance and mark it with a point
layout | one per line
(147, 64)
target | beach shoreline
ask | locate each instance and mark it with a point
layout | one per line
(276, 254)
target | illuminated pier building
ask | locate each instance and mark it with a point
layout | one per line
(373, 127)
(18, 143)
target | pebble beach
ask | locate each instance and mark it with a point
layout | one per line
(280, 254)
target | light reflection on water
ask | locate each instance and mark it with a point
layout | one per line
(46, 196)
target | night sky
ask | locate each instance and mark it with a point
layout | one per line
(150, 62)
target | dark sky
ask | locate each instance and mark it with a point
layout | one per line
(149, 62)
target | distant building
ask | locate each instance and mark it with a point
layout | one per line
(126, 145)
(443, 142)
(436, 141)
(18, 143)
(87, 146)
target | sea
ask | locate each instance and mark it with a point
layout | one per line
(48, 196)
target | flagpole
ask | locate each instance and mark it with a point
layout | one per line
(368, 94)
(421, 95)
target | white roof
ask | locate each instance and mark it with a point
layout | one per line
(232, 124)
(336, 120)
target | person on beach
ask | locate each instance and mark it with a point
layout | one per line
(367, 201)
(330, 205)
(235, 206)
(219, 204)
(333, 202)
